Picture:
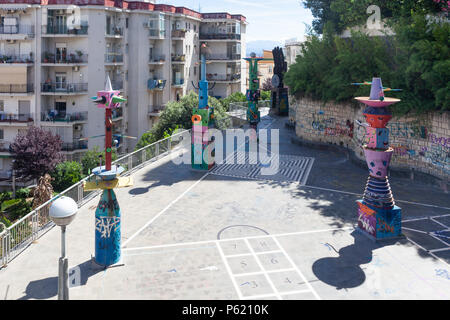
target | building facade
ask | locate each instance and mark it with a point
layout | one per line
(56, 54)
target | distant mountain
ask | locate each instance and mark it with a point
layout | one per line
(259, 45)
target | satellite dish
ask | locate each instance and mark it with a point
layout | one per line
(275, 81)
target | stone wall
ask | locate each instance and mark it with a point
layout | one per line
(420, 143)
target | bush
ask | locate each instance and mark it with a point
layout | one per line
(234, 97)
(177, 115)
(15, 209)
(90, 159)
(23, 193)
(265, 95)
(416, 60)
(66, 174)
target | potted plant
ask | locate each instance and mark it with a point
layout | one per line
(79, 54)
(72, 57)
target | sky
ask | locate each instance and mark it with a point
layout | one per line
(276, 20)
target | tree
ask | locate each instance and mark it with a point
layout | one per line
(178, 114)
(267, 85)
(66, 174)
(35, 153)
(91, 159)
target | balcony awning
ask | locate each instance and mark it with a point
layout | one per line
(13, 6)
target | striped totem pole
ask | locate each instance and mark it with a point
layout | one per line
(107, 214)
(202, 147)
(253, 115)
(378, 216)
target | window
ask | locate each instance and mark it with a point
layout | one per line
(195, 71)
(2, 106)
(126, 23)
(195, 27)
(1, 134)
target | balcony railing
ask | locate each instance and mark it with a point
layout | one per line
(223, 77)
(218, 56)
(155, 109)
(113, 57)
(16, 88)
(63, 29)
(18, 58)
(18, 29)
(117, 84)
(220, 36)
(179, 58)
(16, 117)
(71, 58)
(157, 33)
(178, 82)
(156, 84)
(114, 31)
(63, 87)
(54, 116)
(117, 113)
(178, 33)
(157, 58)
(76, 145)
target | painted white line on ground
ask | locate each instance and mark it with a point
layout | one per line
(230, 274)
(439, 250)
(262, 272)
(235, 239)
(440, 223)
(285, 293)
(360, 195)
(426, 218)
(297, 269)
(259, 296)
(277, 294)
(164, 210)
(411, 229)
(428, 251)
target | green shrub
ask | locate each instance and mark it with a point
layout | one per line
(23, 193)
(66, 174)
(234, 97)
(265, 95)
(90, 159)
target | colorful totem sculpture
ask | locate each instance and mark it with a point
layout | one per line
(202, 147)
(378, 216)
(253, 94)
(107, 215)
(280, 100)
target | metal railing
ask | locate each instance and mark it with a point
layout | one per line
(157, 33)
(16, 58)
(70, 58)
(63, 87)
(223, 56)
(16, 88)
(63, 29)
(113, 57)
(16, 117)
(18, 236)
(114, 31)
(219, 36)
(156, 84)
(223, 77)
(17, 29)
(157, 58)
(64, 116)
(178, 33)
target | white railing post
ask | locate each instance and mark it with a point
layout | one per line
(157, 149)
(144, 155)
(169, 144)
(80, 193)
(130, 162)
(34, 225)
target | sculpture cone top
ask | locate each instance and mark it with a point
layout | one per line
(377, 98)
(108, 86)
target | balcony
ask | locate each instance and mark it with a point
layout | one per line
(155, 111)
(220, 36)
(63, 117)
(72, 59)
(156, 84)
(177, 82)
(65, 31)
(157, 34)
(178, 58)
(76, 145)
(15, 118)
(223, 77)
(63, 88)
(16, 32)
(178, 34)
(113, 57)
(4, 146)
(224, 57)
(16, 59)
(157, 59)
(115, 32)
(17, 88)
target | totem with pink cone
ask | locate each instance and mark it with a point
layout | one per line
(378, 216)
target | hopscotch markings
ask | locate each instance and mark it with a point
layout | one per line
(276, 293)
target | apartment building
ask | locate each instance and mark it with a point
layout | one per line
(56, 54)
(292, 48)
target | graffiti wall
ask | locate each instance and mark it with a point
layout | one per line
(422, 143)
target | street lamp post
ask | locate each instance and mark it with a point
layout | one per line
(62, 212)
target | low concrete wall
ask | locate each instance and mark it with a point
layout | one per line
(421, 143)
